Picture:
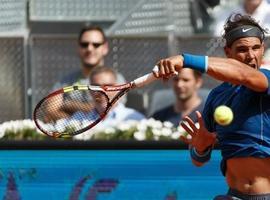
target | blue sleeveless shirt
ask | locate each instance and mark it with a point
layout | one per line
(249, 133)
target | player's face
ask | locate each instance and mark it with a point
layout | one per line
(247, 50)
(92, 48)
(185, 84)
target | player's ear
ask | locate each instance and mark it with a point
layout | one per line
(227, 51)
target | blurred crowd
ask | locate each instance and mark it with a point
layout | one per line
(93, 47)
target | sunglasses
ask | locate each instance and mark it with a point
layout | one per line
(95, 44)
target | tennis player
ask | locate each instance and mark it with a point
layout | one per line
(245, 143)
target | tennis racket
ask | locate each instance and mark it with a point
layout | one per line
(97, 100)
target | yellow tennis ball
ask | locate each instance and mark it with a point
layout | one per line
(223, 115)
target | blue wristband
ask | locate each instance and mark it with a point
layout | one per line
(196, 62)
(200, 158)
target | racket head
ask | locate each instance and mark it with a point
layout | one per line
(49, 120)
(63, 127)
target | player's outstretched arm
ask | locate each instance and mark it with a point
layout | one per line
(235, 72)
(223, 69)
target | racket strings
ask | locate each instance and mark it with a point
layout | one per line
(89, 106)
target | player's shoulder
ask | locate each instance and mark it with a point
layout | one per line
(265, 70)
(220, 88)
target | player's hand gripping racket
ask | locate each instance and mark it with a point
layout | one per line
(102, 99)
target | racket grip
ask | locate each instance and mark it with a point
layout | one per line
(155, 69)
(146, 79)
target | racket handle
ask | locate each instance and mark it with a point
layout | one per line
(155, 69)
(146, 79)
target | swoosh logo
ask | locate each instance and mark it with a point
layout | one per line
(246, 30)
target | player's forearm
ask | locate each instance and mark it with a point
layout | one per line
(235, 72)
(223, 69)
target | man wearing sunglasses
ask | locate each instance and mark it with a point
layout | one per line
(92, 49)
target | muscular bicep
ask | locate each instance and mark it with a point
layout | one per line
(235, 72)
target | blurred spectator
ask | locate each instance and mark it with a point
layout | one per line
(106, 76)
(186, 86)
(258, 9)
(201, 14)
(92, 47)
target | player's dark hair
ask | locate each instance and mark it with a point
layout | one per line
(237, 20)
